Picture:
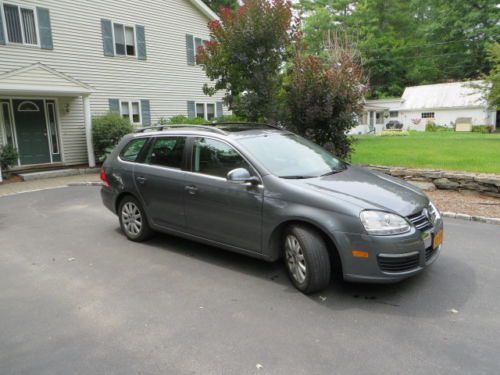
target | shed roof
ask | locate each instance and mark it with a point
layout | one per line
(443, 95)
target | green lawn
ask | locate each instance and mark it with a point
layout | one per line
(472, 152)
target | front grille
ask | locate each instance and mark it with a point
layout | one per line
(420, 221)
(398, 263)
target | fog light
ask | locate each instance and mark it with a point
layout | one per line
(359, 254)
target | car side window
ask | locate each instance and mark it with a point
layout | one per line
(167, 152)
(216, 158)
(132, 149)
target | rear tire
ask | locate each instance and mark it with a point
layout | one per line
(306, 259)
(133, 221)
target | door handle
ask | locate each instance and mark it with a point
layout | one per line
(141, 180)
(192, 190)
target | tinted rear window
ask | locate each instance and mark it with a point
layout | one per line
(132, 149)
(167, 152)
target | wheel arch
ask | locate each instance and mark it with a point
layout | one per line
(120, 197)
(276, 237)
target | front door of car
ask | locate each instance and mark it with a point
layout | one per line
(160, 181)
(219, 210)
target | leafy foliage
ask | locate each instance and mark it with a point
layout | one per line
(410, 42)
(493, 78)
(8, 157)
(107, 130)
(483, 129)
(181, 119)
(324, 98)
(245, 55)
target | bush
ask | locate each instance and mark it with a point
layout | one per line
(393, 133)
(485, 129)
(432, 127)
(107, 131)
(181, 119)
(8, 157)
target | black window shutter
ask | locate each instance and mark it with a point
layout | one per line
(107, 37)
(114, 106)
(190, 49)
(146, 112)
(141, 42)
(191, 109)
(44, 28)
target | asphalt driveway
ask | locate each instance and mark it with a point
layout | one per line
(77, 298)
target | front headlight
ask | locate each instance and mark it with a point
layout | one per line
(383, 223)
(434, 213)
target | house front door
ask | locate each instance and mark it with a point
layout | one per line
(31, 127)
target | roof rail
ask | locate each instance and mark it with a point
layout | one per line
(245, 123)
(173, 126)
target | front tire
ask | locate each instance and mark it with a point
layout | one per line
(133, 221)
(306, 258)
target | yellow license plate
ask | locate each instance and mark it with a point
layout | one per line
(438, 239)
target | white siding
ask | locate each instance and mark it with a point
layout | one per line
(164, 78)
(446, 117)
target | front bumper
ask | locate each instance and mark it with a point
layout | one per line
(390, 258)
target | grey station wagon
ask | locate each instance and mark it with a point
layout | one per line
(270, 194)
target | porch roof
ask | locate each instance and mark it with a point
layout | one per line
(40, 79)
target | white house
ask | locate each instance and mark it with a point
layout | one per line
(441, 104)
(63, 61)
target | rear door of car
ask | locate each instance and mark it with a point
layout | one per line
(161, 179)
(216, 209)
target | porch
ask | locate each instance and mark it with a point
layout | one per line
(46, 116)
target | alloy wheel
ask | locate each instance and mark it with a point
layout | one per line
(132, 219)
(295, 259)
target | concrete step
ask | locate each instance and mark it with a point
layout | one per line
(57, 173)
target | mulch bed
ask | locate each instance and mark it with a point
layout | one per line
(466, 202)
(11, 179)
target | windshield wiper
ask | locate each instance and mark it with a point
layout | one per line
(296, 177)
(333, 171)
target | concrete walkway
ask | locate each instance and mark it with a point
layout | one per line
(26, 186)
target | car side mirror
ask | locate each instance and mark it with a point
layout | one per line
(242, 175)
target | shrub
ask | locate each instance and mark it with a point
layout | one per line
(181, 119)
(324, 98)
(107, 131)
(393, 133)
(432, 127)
(8, 157)
(485, 129)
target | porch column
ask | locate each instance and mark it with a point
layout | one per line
(87, 115)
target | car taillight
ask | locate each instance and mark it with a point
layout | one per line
(104, 178)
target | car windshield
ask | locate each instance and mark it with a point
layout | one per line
(291, 156)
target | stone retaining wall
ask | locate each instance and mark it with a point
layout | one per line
(430, 179)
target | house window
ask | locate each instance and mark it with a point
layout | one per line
(131, 110)
(393, 114)
(427, 114)
(20, 24)
(205, 111)
(51, 115)
(6, 119)
(124, 40)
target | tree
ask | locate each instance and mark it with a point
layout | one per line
(324, 99)
(245, 55)
(409, 42)
(491, 86)
(215, 5)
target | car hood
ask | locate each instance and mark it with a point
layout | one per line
(371, 190)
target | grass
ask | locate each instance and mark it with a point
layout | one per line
(473, 152)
